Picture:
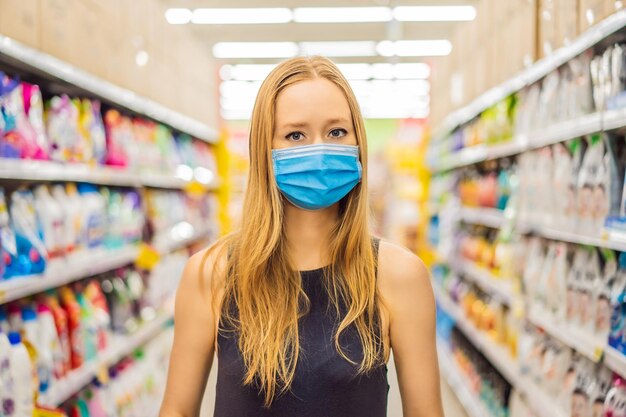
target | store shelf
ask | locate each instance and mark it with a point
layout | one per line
(20, 169)
(119, 347)
(608, 240)
(89, 263)
(496, 354)
(65, 271)
(28, 170)
(489, 217)
(565, 130)
(537, 399)
(557, 133)
(466, 156)
(590, 346)
(181, 235)
(584, 343)
(615, 360)
(41, 62)
(534, 73)
(614, 119)
(459, 384)
(497, 288)
(495, 218)
(157, 180)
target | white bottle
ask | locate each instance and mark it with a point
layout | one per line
(44, 364)
(52, 219)
(51, 354)
(15, 318)
(94, 214)
(76, 205)
(21, 372)
(68, 238)
(4, 322)
(6, 383)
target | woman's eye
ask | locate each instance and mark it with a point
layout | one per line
(296, 136)
(338, 133)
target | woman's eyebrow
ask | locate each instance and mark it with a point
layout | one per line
(337, 120)
(295, 125)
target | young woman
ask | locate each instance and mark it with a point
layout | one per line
(303, 305)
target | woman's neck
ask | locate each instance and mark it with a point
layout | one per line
(308, 234)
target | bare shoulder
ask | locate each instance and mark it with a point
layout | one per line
(204, 272)
(400, 270)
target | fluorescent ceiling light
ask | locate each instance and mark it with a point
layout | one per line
(255, 49)
(382, 113)
(411, 71)
(184, 172)
(415, 48)
(241, 16)
(203, 175)
(238, 103)
(236, 89)
(269, 15)
(413, 88)
(332, 49)
(181, 231)
(337, 48)
(404, 71)
(434, 13)
(356, 71)
(178, 16)
(141, 58)
(406, 108)
(236, 114)
(341, 14)
(245, 72)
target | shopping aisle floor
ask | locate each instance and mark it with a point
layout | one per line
(451, 406)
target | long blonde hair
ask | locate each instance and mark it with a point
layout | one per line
(263, 286)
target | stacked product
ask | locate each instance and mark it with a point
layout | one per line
(65, 330)
(581, 287)
(88, 272)
(488, 185)
(533, 267)
(483, 311)
(585, 192)
(134, 387)
(45, 224)
(73, 130)
(485, 381)
(576, 185)
(584, 85)
(179, 212)
(579, 386)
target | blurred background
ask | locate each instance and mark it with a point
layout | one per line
(496, 150)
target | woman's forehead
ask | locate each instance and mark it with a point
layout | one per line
(316, 99)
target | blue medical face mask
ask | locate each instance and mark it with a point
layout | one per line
(313, 177)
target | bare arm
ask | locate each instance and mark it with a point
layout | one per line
(409, 299)
(194, 340)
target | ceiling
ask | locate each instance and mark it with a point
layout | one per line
(296, 32)
(382, 99)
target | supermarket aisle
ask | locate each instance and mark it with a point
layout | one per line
(452, 407)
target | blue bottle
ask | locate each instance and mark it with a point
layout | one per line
(31, 251)
(618, 310)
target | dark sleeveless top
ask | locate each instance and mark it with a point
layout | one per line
(325, 384)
